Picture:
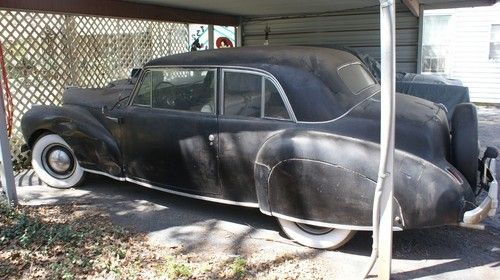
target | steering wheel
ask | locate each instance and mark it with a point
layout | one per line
(161, 83)
(167, 99)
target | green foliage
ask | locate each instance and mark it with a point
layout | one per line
(27, 231)
(238, 267)
(30, 233)
(176, 270)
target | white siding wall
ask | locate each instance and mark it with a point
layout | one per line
(358, 29)
(469, 51)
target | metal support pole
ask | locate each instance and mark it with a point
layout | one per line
(6, 171)
(388, 104)
(239, 36)
(383, 198)
(211, 36)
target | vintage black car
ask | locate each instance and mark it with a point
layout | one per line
(293, 131)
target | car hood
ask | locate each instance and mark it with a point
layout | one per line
(99, 97)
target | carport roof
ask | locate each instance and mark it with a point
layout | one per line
(287, 7)
(221, 12)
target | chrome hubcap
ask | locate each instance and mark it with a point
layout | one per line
(59, 160)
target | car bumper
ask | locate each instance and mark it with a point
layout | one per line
(487, 208)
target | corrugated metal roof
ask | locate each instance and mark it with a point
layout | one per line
(287, 7)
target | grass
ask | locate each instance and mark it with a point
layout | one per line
(59, 242)
(175, 270)
(238, 267)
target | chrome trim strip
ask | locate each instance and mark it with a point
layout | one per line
(322, 224)
(263, 97)
(148, 185)
(344, 114)
(230, 202)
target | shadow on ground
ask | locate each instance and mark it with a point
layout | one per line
(196, 226)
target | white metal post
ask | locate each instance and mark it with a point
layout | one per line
(382, 205)
(388, 104)
(6, 171)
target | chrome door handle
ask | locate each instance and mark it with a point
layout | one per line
(211, 137)
(116, 120)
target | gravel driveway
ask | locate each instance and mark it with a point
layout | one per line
(210, 229)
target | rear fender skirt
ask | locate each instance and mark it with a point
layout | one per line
(323, 192)
(93, 145)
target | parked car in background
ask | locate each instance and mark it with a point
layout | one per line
(293, 131)
(435, 88)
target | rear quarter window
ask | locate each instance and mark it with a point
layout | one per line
(356, 77)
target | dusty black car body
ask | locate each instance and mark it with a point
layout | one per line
(318, 166)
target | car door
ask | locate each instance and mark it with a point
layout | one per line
(253, 109)
(170, 130)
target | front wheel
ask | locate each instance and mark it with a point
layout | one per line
(316, 237)
(54, 162)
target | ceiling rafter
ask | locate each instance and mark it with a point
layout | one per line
(121, 9)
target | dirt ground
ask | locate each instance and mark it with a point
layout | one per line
(210, 230)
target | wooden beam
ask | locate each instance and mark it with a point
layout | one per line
(120, 9)
(413, 6)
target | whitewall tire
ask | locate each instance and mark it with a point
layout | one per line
(316, 237)
(55, 163)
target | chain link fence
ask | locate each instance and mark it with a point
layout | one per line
(44, 53)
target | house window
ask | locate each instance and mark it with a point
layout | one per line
(435, 43)
(495, 42)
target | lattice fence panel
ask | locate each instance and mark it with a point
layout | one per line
(44, 53)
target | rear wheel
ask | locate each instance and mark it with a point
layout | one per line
(314, 236)
(54, 162)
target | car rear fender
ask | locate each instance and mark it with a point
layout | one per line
(315, 176)
(94, 146)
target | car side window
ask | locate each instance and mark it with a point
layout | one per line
(143, 96)
(252, 95)
(273, 104)
(184, 89)
(242, 94)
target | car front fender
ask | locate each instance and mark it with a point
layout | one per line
(94, 146)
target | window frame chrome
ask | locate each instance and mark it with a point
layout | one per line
(263, 75)
(136, 89)
(219, 85)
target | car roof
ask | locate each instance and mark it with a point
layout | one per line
(308, 75)
(295, 56)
